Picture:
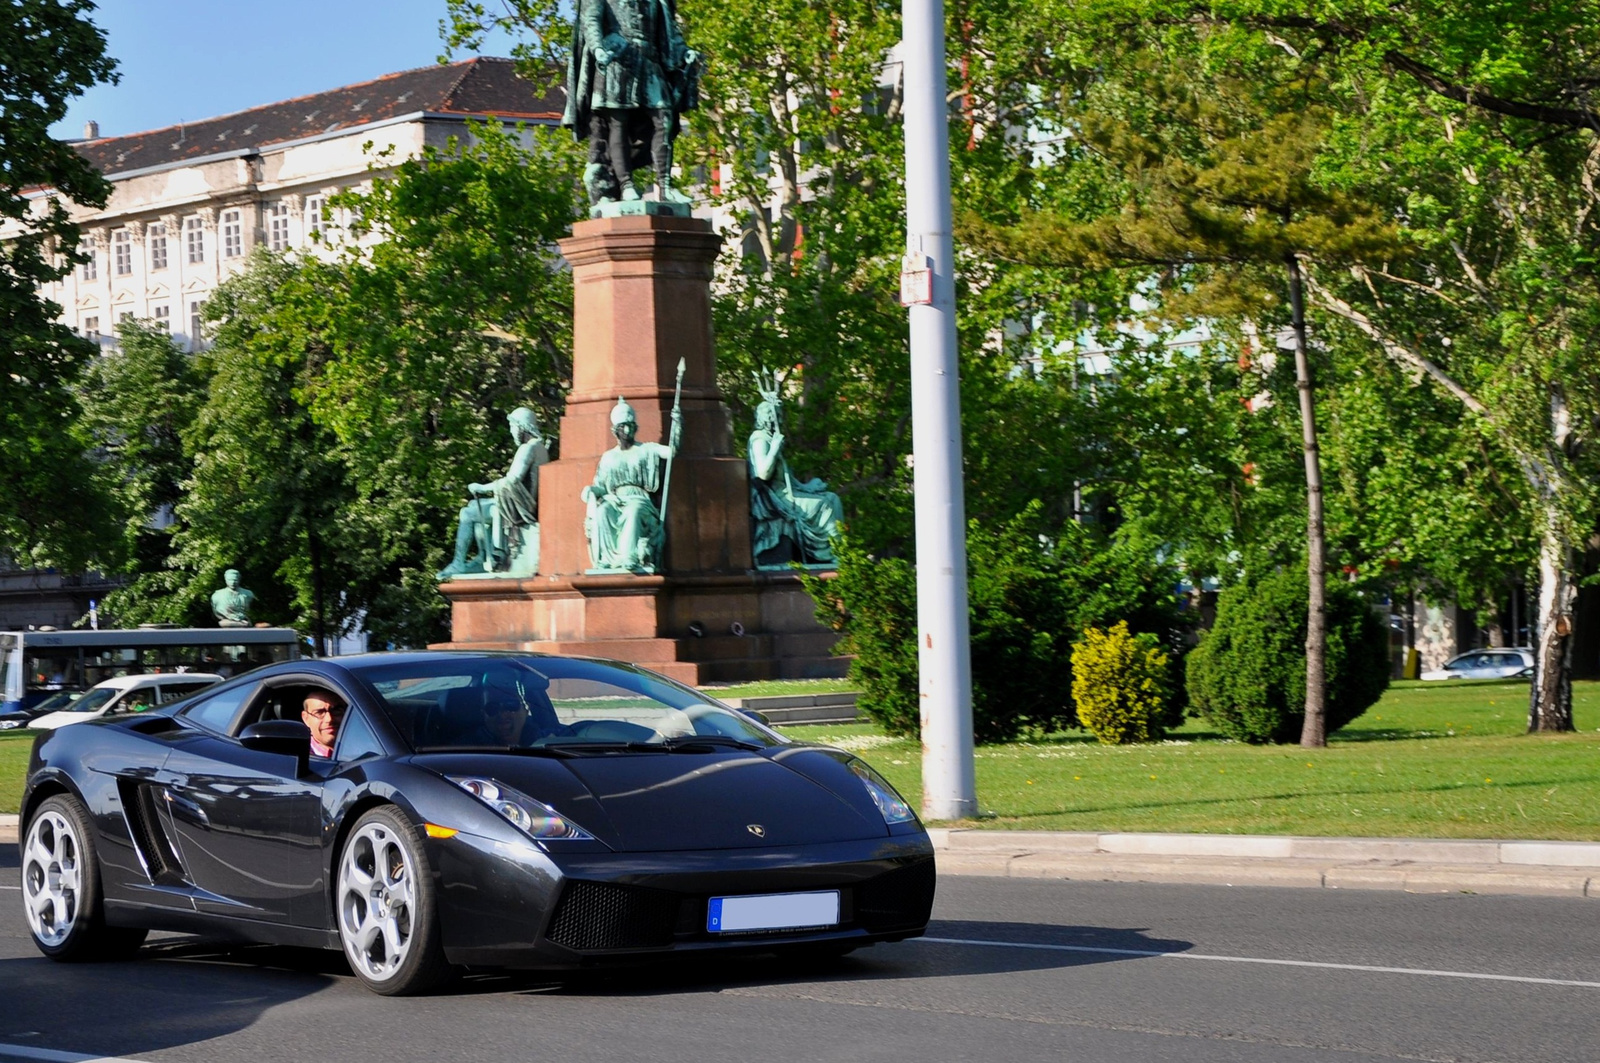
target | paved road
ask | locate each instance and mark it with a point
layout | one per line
(1012, 970)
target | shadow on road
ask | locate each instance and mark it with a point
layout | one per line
(903, 960)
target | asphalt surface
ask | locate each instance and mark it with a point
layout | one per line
(1013, 969)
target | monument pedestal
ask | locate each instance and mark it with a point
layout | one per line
(642, 302)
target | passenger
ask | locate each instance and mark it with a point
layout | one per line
(322, 711)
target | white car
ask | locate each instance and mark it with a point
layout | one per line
(1501, 662)
(125, 694)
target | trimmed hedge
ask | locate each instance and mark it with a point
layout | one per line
(1248, 675)
(1030, 592)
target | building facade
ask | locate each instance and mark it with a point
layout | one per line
(189, 203)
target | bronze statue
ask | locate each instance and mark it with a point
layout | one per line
(630, 79)
(624, 528)
(231, 604)
(502, 518)
(789, 520)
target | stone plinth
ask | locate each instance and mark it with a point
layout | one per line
(641, 302)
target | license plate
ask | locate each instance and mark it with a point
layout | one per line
(772, 911)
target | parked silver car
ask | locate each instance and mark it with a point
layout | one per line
(1501, 662)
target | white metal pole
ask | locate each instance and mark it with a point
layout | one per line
(943, 654)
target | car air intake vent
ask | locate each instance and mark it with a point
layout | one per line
(149, 836)
(599, 915)
(154, 725)
(899, 898)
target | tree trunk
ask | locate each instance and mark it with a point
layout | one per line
(1314, 732)
(1550, 699)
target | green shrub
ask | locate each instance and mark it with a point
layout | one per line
(1029, 594)
(873, 602)
(1248, 675)
(1119, 683)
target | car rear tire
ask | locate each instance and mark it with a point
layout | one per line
(385, 906)
(61, 895)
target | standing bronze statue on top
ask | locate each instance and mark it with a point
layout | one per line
(630, 80)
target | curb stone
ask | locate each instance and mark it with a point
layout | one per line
(1531, 868)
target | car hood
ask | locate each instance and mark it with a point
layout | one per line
(660, 802)
(51, 720)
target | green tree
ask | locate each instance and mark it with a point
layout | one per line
(138, 400)
(52, 52)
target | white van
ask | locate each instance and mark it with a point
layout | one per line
(124, 694)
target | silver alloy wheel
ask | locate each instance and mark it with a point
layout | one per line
(52, 877)
(377, 901)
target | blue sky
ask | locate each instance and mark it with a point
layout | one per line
(183, 60)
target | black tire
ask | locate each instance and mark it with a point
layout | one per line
(377, 903)
(61, 870)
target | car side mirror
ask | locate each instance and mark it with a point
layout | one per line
(757, 715)
(289, 738)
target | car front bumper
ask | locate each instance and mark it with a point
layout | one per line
(519, 906)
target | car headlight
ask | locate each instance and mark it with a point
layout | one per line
(534, 818)
(891, 804)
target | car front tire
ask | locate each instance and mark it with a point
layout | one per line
(386, 906)
(61, 894)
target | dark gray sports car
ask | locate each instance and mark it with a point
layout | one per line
(477, 809)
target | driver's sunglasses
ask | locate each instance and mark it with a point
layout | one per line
(323, 713)
(501, 710)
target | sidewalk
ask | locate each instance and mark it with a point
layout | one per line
(1552, 869)
(1564, 869)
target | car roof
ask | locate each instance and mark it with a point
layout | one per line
(150, 679)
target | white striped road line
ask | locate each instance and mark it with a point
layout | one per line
(51, 1055)
(1365, 968)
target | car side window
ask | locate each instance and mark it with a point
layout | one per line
(217, 712)
(356, 738)
(135, 701)
(174, 691)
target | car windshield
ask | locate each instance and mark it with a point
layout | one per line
(57, 702)
(557, 704)
(93, 701)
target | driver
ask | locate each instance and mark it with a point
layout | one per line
(504, 720)
(322, 711)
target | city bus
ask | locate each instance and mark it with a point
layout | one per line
(36, 664)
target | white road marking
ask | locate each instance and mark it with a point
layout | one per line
(1365, 968)
(18, 888)
(50, 1055)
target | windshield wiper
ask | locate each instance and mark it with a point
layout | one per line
(534, 751)
(689, 741)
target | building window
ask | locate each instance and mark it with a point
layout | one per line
(315, 224)
(232, 234)
(88, 271)
(164, 317)
(194, 324)
(278, 226)
(122, 252)
(158, 246)
(194, 239)
(91, 328)
(126, 315)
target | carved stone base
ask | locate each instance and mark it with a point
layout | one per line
(752, 626)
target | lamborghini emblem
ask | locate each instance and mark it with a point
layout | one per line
(757, 829)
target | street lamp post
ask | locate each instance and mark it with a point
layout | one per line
(928, 287)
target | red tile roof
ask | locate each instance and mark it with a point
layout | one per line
(479, 86)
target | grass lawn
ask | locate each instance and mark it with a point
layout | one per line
(1446, 760)
(1443, 760)
(772, 687)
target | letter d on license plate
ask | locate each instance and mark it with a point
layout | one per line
(772, 911)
